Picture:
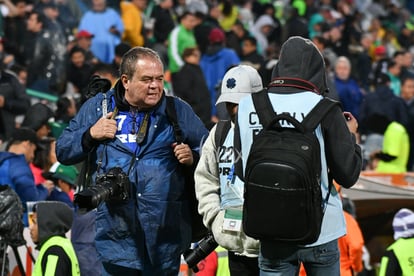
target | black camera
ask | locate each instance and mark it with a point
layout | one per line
(113, 185)
(205, 246)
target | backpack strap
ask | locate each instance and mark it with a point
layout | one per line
(263, 107)
(172, 116)
(310, 122)
(315, 116)
(222, 128)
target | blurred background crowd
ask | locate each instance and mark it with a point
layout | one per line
(50, 49)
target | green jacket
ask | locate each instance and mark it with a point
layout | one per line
(179, 39)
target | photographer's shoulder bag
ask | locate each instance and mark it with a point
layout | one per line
(282, 199)
(199, 231)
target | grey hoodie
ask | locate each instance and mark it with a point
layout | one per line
(54, 218)
(299, 58)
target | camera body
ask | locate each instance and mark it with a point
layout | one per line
(205, 246)
(111, 186)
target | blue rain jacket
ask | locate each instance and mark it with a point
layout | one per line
(156, 217)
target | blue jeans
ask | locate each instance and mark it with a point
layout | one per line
(277, 259)
(115, 270)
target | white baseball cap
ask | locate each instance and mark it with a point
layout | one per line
(239, 82)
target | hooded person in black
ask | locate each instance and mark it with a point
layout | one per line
(49, 223)
(37, 118)
(298, 84)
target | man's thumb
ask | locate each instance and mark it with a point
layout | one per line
(109, 115)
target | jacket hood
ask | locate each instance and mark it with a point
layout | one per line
(36, 116)
(263, 20)
(54, 218)
(299, 58)
(119, 96)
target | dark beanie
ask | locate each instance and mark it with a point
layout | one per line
(36, 116)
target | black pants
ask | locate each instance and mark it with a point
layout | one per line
(242, 265)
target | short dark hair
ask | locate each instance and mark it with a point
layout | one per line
(399, 53)
(22, 134)
(41, 18)
(76, 49)
(189, 51)
(105, 68)
(391, 63)
(251, 39)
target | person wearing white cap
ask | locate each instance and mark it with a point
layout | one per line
(399, 256)
(218, 190)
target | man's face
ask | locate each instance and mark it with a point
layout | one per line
(407, 89)
(408, 60)
(98, 5)
(78, 59)
(342, 70)
(21, 9)
(248, 47)
(29, 151)
(33, 24)
(189, 21)
(145, 88)
(84, 42)
(34, 229)
(43, 131)
(141, 4)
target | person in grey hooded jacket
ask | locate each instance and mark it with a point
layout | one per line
(300, 59)
(50, 221)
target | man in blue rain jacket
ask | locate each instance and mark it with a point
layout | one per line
(128, 128)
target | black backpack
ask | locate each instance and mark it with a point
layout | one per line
(282, 196)
(198, 230)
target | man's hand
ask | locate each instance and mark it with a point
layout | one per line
(351, 122)
(183, 154)
(105, 128)
(1, 101)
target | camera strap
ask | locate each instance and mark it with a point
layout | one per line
(140, 135)
(84, 179)
(142, 131)
(115, 112)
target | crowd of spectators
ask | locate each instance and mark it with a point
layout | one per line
(56, 46)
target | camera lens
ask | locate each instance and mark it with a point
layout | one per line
(91, 198)
(204, 248)
(114, 185)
